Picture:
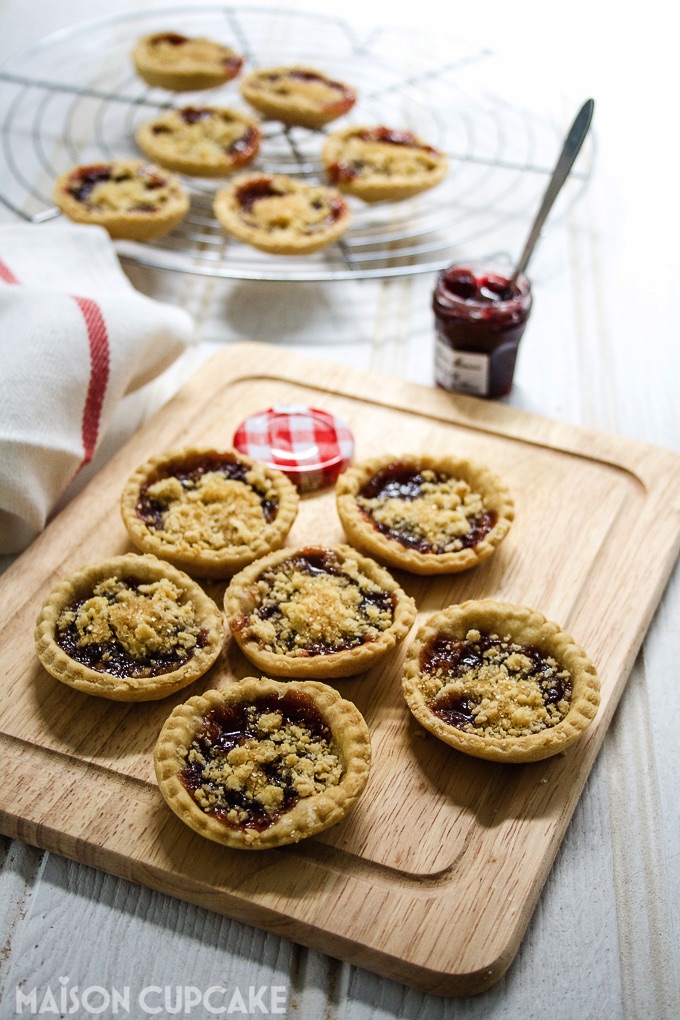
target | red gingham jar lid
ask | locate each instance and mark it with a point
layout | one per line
(312, 447)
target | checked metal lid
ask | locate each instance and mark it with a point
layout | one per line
(311, 446)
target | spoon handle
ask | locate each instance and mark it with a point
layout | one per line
(570, 150)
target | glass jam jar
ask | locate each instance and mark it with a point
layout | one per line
(479, 319)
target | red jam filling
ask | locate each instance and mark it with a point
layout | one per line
(110, 656)
(250, 192)
(346, 98)
(317, 563)
(85, 178)
(189, 472)
(403, 481)
(487, 290)
(192, 114)
(233, 64)
(336, 209)
(454, 658)
(228, 727)
(242, 148)
(172, 38)
(389, 136)
(340, 171)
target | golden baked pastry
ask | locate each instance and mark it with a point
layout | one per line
(427, 515)
(260, 763)
(320, 611)
(205, 141)
(178, 62)
(210, 512)
(130, 628)
(129, 198)
(500, 682)
(280, 215)
(381, 164)
(297, 95)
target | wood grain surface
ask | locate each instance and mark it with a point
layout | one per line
(434, 876)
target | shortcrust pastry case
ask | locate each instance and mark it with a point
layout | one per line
(207, 511)
(261, 763)
(130, 198)
(424, 514)
(500, 682)
(297, 95)
(281, 215)
(204, 141)
(317, 611)
(183, 63)
(129, 628)
(379, 164)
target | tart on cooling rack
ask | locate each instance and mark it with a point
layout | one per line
(181, 63)
(381, 164)
(297, 95)
(280, 215)
(319, 611)
(205, 141)
(260, 763)
(130, 628)
(129, 198)
(500, 682)
(427, 515)
(209, 512)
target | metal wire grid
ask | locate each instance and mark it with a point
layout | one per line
(74, 98)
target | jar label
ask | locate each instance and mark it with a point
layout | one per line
(461, 370)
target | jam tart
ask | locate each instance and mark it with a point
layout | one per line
(129, 198)
(182, 63)
(500, 682)
(427, 515)
(209, 512)
(297, 95)
(318, 611)
(260, 763)
(379, 164)
(280, 215)
(130, 628)
(204, 141)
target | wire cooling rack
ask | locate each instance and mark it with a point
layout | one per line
(75, 98)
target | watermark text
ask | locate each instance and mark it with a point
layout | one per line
(67, 999)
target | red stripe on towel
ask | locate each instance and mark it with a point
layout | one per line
(98, 340)
(99, 374)
(6, 273)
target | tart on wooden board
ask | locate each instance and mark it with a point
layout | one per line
(263, 763)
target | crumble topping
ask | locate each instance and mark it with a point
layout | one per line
(312, 88)
(143, 621)
(365, 156)
(251, 763)
(202, 134)
(171, 50)
(273, 207)
(311, 604)
(489, 685)
(121, 187)
(425, 510)
(207, 509)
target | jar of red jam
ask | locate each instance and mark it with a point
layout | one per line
(480, 318)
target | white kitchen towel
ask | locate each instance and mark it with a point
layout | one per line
(75, 336)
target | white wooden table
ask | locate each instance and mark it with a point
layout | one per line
(601, 350)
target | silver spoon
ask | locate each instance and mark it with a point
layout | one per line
(570, 150)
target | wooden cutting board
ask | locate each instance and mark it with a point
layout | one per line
(433, 877)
